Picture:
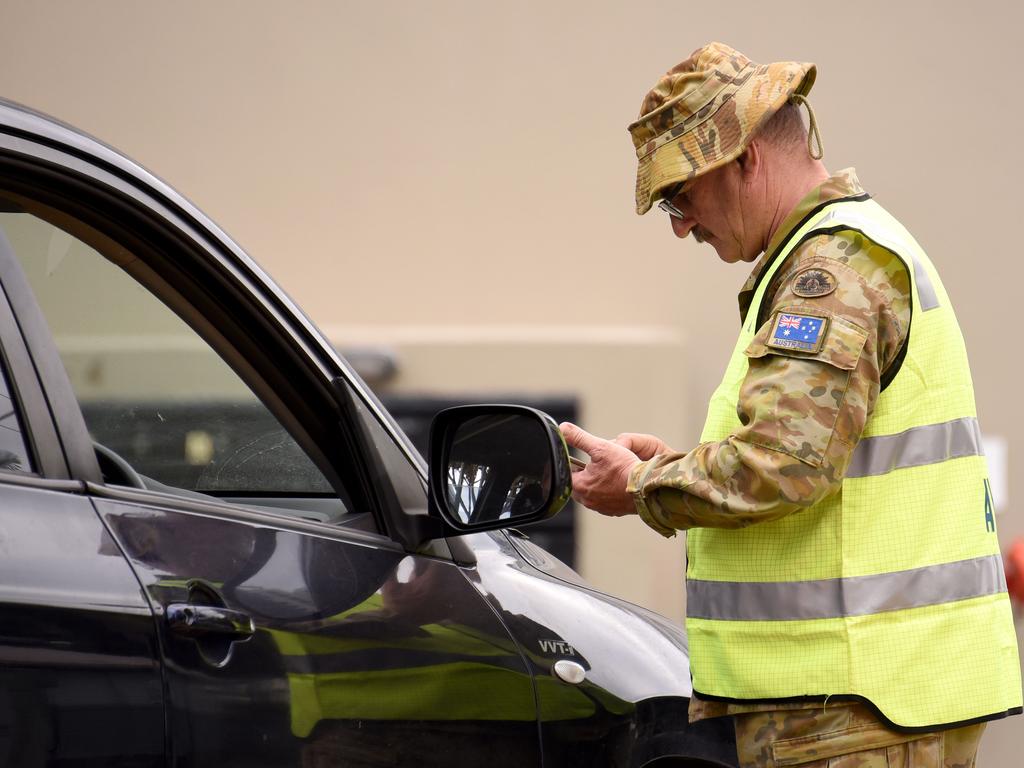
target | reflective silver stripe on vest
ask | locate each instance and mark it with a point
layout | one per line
(916, 447)
(925, 290)
(854, 596)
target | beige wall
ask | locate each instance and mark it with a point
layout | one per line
(454, 180)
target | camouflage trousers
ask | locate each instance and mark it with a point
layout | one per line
(847, 736)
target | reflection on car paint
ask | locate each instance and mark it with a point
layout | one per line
(359, 650)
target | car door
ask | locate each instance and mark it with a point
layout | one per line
(242, 477)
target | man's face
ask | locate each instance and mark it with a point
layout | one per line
(718, 210)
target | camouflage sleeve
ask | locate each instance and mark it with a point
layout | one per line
(801, 414)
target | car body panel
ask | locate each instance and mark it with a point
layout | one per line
(81, 672)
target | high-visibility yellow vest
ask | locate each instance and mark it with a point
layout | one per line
(892, 589)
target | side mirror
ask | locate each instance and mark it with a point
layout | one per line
(496, 466)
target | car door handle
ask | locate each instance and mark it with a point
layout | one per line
(203, 620)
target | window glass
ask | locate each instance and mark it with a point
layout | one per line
(158, 401)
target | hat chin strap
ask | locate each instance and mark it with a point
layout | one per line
(812, 132)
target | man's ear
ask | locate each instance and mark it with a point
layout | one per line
(751, 161)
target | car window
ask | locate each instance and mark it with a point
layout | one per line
(165, 411)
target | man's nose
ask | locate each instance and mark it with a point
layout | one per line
(682, 227)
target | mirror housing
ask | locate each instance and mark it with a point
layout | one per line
(496, 466)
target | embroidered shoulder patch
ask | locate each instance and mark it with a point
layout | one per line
(803, 333)
(814, 282)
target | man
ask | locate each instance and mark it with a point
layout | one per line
(845, 595)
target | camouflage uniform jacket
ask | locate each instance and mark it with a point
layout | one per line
(791, 407)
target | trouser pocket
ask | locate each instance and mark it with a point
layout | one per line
(868, 745)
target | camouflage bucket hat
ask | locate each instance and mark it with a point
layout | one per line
(703, 113)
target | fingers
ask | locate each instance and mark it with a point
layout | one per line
(640, 445)
(644, 446)
(631, 440)
(579, 438)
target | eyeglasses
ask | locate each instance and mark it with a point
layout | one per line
(666, 203)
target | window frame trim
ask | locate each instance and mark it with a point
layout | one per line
(238, 513)
(34, 412)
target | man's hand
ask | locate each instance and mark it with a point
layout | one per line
(602, 485)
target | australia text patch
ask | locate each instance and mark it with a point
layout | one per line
(803, 333)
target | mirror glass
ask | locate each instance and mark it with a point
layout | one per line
(499, 468)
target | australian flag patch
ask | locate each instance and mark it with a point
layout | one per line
(803, 333)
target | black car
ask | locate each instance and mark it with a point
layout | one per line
(218, 549)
